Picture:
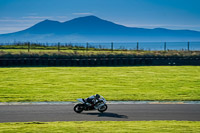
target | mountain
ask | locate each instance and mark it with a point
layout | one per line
(94, 29)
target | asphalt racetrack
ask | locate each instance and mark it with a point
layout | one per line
(115, 112)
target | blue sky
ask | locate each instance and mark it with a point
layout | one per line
(17, 15)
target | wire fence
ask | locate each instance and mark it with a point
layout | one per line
(110, 46)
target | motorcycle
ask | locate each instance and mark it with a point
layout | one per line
(83, 105)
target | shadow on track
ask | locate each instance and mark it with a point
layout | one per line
(106, 114)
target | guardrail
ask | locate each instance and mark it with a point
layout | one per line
(8, 62)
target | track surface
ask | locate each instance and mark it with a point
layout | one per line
(115, 112)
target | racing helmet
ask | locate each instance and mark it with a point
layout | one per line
(97, 96)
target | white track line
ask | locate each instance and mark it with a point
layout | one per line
(108, 102)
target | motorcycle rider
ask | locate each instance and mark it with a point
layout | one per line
(92, 100)
(95, 102)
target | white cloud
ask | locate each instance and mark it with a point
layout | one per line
(32, 14)
(13, 24)
(15, 20)
(11, 29)
(83, 13)
(61, 17)
(175, 27)
(36, 17)
(159, 25)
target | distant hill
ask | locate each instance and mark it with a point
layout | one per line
(94, 29)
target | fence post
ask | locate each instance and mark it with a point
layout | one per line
(112, 46)
(137, 46)
(58, 46)
(188, 46)
(87, 45)
(29, 46)
(165, 46)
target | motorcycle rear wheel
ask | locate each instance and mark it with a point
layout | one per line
(78, 108)
(103, 108)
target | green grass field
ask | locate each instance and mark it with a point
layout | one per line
(114, 83)
(103, 126)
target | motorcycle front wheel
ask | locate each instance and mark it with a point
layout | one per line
(78, 108)
(103, 108)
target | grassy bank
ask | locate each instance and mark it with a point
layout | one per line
(37, 53)
(114, 83)
(103, 126)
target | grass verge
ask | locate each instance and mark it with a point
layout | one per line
(37, 53)
(114, 83)
(103, 126)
